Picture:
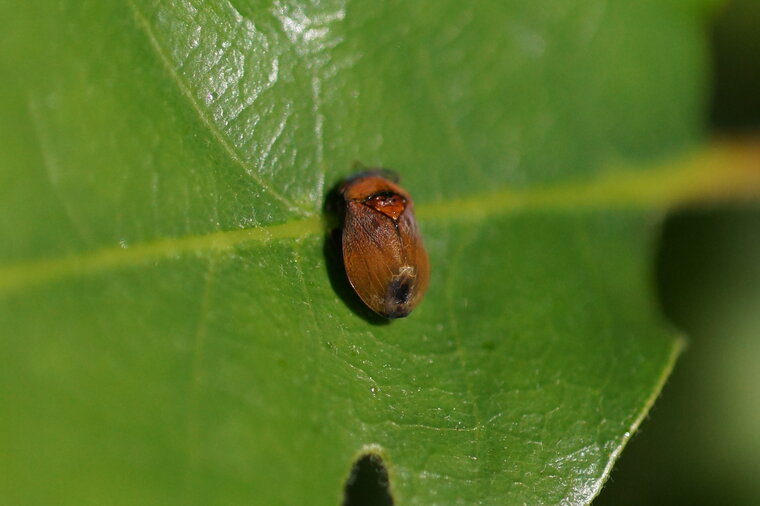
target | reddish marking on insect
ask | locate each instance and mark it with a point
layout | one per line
(383, 254)
(390, 204)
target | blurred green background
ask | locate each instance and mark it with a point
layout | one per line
(701, 444)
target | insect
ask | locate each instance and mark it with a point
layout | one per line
(383, 254)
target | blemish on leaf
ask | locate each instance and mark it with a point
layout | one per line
(367, 484)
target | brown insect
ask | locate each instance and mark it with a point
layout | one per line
(383, 254)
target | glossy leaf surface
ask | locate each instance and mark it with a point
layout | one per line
(173, 327)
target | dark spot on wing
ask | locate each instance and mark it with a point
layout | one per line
(399, 290)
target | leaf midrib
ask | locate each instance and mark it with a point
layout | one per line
(719, 172)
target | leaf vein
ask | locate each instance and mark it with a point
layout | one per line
(193, 391)
(720, 173)
(213, 129)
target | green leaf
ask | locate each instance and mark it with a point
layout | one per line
(173, 328)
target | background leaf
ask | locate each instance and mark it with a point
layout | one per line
(170, 331)
(702, 445)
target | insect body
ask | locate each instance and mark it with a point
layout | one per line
(383, 254)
